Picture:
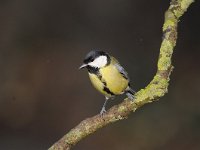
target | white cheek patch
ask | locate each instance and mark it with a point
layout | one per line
(99, 62)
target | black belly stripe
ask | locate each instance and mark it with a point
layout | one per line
(105, 88)
(93, 70)
(108, 91)
(96, 72)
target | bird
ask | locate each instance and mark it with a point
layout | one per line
(107, 76)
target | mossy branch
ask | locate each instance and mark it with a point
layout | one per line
(157, 87)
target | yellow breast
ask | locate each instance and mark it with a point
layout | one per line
(113, 79)
(98, 84)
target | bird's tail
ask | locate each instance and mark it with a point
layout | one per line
(130, 93)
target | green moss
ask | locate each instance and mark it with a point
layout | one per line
(185, 4)
(166, 50)
(181, 7)
(121, 108)
(166, 47)
(141, 95)
(168, 23)
(164, 63)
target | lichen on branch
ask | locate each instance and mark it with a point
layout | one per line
(157, 88)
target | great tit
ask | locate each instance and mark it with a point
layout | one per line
(107, 76)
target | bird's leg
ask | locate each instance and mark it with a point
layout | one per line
(130, 93)
(130, 96)
(103, 109)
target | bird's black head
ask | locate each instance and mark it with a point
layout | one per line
(96, 59)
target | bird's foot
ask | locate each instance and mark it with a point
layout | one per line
(130, 96)
(103, 111)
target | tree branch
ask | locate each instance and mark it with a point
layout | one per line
(154, 90)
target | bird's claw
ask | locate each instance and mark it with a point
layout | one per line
(130, 96)
(103, 111)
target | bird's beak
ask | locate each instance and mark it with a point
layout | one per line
(83, 66)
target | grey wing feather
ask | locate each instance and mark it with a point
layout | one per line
(129, 91)
(122, 71)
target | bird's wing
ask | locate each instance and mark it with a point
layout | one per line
(120, 68)
(122, 71)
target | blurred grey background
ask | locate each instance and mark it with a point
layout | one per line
(43, 94)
